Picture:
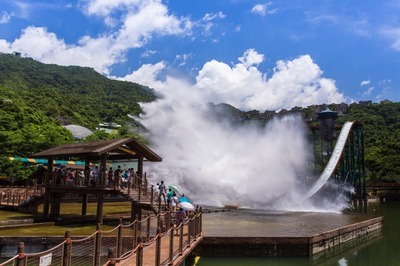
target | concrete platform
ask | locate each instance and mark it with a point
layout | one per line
(282, 234)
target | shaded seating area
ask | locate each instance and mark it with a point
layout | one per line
(99, 153)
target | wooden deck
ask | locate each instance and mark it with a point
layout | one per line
(174, 254)
(168, 248)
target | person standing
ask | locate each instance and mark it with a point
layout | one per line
(169, 197)
(174, 201)
(117, 177)
(110, 177)
(161, 187)
(95, 176)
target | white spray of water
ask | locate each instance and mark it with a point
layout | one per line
(216, 164)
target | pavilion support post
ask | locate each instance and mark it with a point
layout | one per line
(136, 211)
(103, 169)
(46, 204)
(100, 203)
(140, 166)
(55, 205)
(84, 204)
(87, 173)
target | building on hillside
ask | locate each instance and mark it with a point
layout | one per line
(109, 127)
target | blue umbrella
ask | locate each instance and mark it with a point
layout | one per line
(184, 199)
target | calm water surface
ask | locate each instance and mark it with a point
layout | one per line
(381, 251)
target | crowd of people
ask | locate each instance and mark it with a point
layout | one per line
(173, 200)
(117, 179)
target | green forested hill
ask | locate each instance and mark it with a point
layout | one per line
(36, 99)
(75, 95)
(381, 124)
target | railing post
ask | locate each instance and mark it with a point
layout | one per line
(139, 253)
(158, 247)
(152, 194)
(66, 261)
(97, 248)
(140, 193)
(129, 186)
(189, 229)
(148, 228)
(181, 239)
(111, 257)
(21, 254)
(19, 198)
(135, 232)
(159, 220)
(171, 246)
(119, 240)
(9, 197)
(145, 184)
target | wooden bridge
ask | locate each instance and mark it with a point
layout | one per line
(139, 243)
(155, 239)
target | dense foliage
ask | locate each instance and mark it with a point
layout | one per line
(37, 99)
(381, 124)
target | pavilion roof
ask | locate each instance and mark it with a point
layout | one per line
(116, 149)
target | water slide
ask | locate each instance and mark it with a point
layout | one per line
(333, 161)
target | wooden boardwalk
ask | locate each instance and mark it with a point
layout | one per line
(170, 247)
(168, 254)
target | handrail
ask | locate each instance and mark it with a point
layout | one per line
(134, 256)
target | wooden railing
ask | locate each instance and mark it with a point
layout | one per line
(15, 196)
(138, 243)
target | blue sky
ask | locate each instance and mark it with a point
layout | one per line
(264, 55)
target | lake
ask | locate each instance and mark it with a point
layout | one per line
(379, 251)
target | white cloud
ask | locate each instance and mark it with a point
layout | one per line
(148, 74)
(297, 82)
(208, 21)
(105, 7)
(212, 16)
(392, 34)
(259, 9)
(368, 91)
(262, 9)
(365, 83)
(141, 21)
(148, 53)
(182, 59)
(98, 53)
(5, 17)
(251, 57)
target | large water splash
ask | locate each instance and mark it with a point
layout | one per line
(217, 164)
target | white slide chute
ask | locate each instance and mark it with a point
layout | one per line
(333, 161)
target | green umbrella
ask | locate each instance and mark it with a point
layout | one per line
(173, 189)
